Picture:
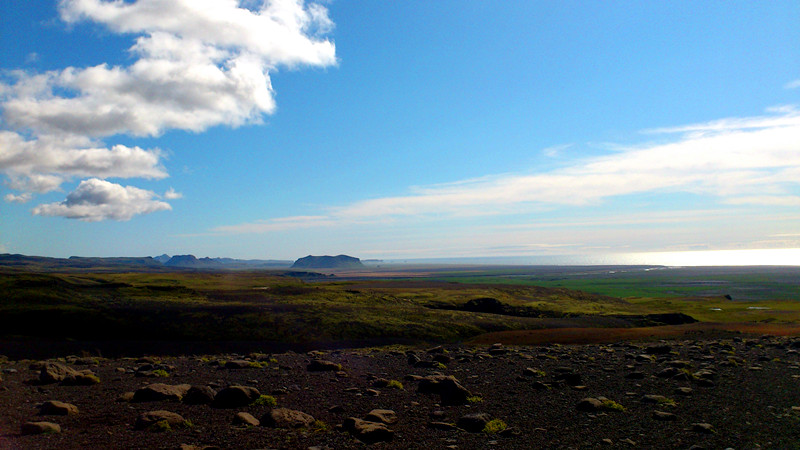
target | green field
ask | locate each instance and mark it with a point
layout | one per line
(276, 308)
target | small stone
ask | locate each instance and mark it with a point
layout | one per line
(319, 365)
(655, 399)
(683, 391)
(665, 416)
(705, 428)
(445, 426)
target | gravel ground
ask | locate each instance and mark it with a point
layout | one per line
(745, 387)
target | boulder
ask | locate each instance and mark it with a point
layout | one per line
(235, 397)
(448, 387)
(238, 364)
(247, 419)
(161, 392)
(148, 419)
(199, 395)
(40, 428)
(286, 418)
(473, 423)
(386, 416)
(54, 372)
(57, 408)
(367, 432)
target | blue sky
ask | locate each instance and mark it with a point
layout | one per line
(398, 130)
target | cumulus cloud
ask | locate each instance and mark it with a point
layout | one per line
(197, 64)
(735, 161)
(172, 195)
(22, 198)
(95, 200)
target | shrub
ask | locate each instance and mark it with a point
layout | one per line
(265, 400)
(612, 405)
(475, 399)
(494, 426)
(320, 427)
(394, 384)
(160, 373)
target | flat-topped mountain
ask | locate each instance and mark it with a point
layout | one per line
(327, 262)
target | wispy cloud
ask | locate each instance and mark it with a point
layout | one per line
(734, 161)
(792, 84)
(198, 64)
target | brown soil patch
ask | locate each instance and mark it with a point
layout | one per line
(604, 335)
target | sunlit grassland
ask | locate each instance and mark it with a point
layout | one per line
(270, 307)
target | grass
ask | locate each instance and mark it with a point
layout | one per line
(475, 399)
(261, 306)
(160, 373)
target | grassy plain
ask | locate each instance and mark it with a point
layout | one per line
(275, 308)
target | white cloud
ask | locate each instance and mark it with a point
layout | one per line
(96, 200)
(556, 150)
(22, 198)
(792, 84)
(41, 165)
(197, 64)
(172, 195)
(730, 159)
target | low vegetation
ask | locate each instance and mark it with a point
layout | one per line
(271, 308)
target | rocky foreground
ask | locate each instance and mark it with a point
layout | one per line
(740, 392)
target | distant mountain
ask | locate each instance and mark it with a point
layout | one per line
(327, 262)
(136, 264)
(162, 259)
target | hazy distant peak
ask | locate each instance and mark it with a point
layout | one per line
(327, 262)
